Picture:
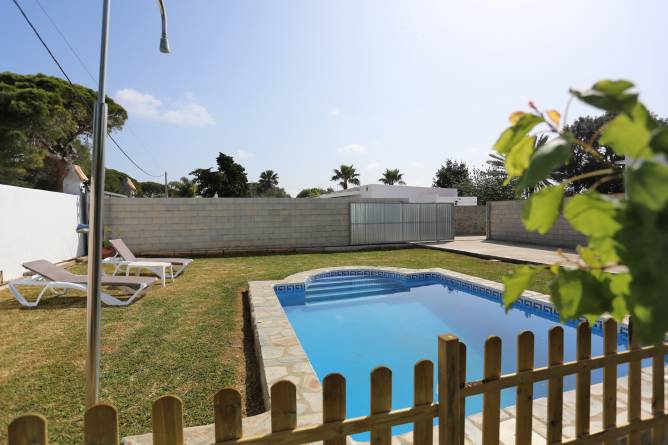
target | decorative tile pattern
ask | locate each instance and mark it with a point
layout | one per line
(527, 303)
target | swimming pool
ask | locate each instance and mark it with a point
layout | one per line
(353, 321)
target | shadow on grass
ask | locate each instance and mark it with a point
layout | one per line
(67, 301)
(252, 383)
(46, 303)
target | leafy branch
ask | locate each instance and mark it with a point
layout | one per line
(607, 171)
(622, 268)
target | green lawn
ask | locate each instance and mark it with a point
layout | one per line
(186, 339)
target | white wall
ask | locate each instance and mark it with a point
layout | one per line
(36, 224)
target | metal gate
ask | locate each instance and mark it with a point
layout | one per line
(377, 223)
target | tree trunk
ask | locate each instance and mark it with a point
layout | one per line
(62, 168)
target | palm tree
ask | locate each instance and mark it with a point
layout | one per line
(391, 177)
(346, 174)
(268, 180)
(497, 168)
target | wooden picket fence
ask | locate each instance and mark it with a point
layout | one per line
(101, 421)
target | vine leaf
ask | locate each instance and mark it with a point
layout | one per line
(516, 282)
(609, 95)
(590, 257)
(515, 116)
(659, 140)
(577, 293)
(648, 185)
(514, 134)
(519, 157)
(555, 153)
(554, 116)
(620, 287)
(613, 86)
(644, 249)
(542, 209)
(593, 215)
(606, 249)
(630, 134)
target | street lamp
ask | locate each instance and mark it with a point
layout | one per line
(164, 44)
(93, 304)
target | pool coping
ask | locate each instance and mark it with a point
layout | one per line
(282, 357)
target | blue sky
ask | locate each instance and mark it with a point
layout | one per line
(301, 86)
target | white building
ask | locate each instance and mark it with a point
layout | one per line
(412, 194)
(73, 180)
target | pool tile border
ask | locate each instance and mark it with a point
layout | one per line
(538, 303)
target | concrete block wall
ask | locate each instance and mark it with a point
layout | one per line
(470, 220)
(504, 223)
(187, 226)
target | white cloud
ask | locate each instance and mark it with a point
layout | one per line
(352, 148)
(335, 112)
(146, 106)
(243, 155)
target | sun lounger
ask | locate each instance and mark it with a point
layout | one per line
(127, 258)
(57, 280)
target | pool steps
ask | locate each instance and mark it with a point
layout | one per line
(339, 288)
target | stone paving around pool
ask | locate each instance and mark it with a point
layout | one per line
(281, 357)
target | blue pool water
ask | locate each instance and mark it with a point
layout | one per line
(352, 324)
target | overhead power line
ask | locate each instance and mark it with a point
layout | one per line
(41, 40)
(62, 70)
(142, 144)
(132, 160)
(67, 42)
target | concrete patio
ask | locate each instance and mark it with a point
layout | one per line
(480, 247)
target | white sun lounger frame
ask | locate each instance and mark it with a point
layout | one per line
(63, 286)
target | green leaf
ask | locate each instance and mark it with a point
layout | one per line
(606, 249)
(518, 159)
(516, 282)
(644, 251)
(514, 134)
(599, 218)
(600, 253)
(648, 185)
(630, 134)
(590, 257)
(542, 209)
(555, 153)
(612, 86)
(609, 95)
(620, 288)
(659, 140)
(578, 292)
(619, 309)
(592, 214)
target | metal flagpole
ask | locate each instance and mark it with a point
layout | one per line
(93, 305)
